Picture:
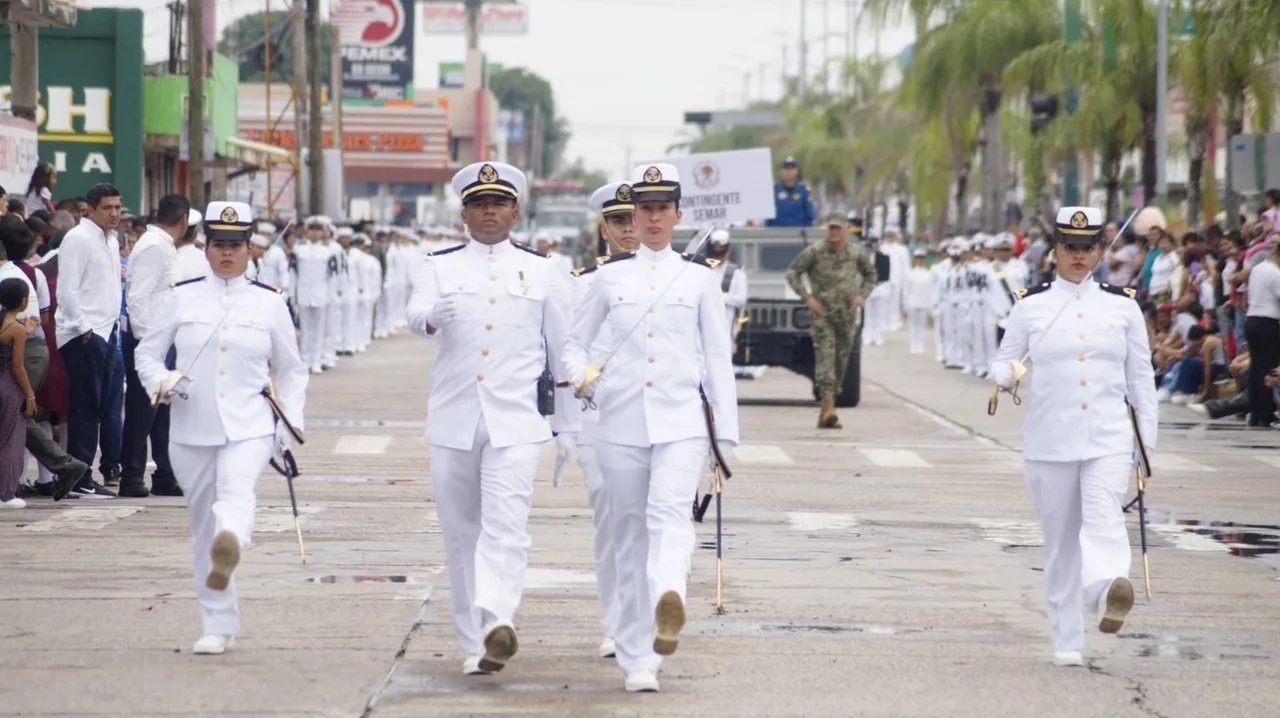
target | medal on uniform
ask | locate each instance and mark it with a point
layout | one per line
(524, 284)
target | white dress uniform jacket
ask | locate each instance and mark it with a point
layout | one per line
(651, 384)
(192, 262)
(490, 356)
(230, 336)
(275, 268)
(1093, 359)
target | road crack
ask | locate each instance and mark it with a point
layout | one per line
(418, 622)
(1140, 699)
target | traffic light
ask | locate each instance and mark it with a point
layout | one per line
(1043, 109)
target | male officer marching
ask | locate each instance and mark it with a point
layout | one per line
(841, 277)
(615, 202)
(231, 337)
(665, 315)
(492, 306)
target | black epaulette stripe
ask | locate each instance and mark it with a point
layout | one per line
(529, 249)
(439, 252)
(193, 280)
(584, 270)
(698, 259)
(617, 258)
(264, 285)
(1129, 292)
(1024, 293)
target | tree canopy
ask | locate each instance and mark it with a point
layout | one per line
(521, 90)
(245, 40)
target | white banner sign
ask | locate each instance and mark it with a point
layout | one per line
(725, 187)
(440, 19)
(19, 154)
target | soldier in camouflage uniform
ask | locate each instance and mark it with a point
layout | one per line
(841, 276)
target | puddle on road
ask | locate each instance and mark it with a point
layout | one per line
(333, 578)
(1246, 540)
(1145, 645)
(364, 424)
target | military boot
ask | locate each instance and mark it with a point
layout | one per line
(827, 418)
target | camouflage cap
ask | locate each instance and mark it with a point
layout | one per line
(835, 219)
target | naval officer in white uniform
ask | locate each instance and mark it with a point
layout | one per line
(666, 319)
(1088, 346)
(615, 203)
(234, 338)
(500, 315)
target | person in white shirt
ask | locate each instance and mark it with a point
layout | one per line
(499, 314)
(899, 264)
(258, 244)
(941, 318)
(1087, 343)
(89, 299)
(313, 292)
(275, 261)
(369, 288)
(732, 278)
(918, 299)
(334, 299)
(235, 347)
(668, 369)
(150, 276)
(190, 257)
(1262, 331)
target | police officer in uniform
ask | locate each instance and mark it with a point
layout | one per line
(670, 348)
(792, 205)
(617, 230)
(841, 277)
(234, 339)
(1088, 345)
(492, 306)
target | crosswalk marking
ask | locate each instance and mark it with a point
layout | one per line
(1270, 460)
(83, 519)
(278, 519)
(1173, 462)
(895, 458)
(1010, 533)
(761, 454)
(362, 444)
(811, 521)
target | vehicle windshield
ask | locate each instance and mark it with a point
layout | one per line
(561, 219)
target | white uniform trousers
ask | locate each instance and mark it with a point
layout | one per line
(382, 312)
(917, 321)
(958, 336)
(651, 489)
(332, 332)
(218, 483)
(483, 498)
(605, 544)
(347, 337)
(893, 312)
(876, 315)
(311, 322)
(939, 335)
(1086, 544)
(987, 331)
(364, 323)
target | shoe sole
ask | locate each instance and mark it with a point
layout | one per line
(647, 688)
(499, 646)
(1119, 603)
(63, 487)
(669, 615)
(226, 556)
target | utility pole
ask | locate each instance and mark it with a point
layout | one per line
(24, 63)
(1162, 102)
(804, 49)
(335, 104)
(297, 20)
(746, 90)
(535, 162)
(826, 46)
(195, 104)
(266, 61)
(1071, 164)
(315, 133)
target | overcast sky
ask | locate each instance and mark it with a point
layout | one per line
(625, 71)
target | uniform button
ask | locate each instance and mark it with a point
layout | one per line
(488, 326)
(479, 377)
(652, 310)
(651, 287)
(650, 333)
(224, 347)
(679, 299)
(484, 352)
(222, 372)
(228, 292)
(491, 259)
(222, 395)
(1081, 357)
(652, 360)
(225, 327)
(1084, 406)
(1084, 382)
(493, 300)
(1079, 316)
(648, 383)
(493, 277)
(1078, 297)
(1082, 337)
(653, 266)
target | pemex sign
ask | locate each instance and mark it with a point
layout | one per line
(90, 102)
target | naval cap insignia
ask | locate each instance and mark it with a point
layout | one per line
(230, 216)
(624, 193)
(653, 174)
(1079, 220)
(488, 174)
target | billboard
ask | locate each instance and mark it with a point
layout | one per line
(377, 48)
(89, 115)
(451, 19)
(724, 187)
(18, 154)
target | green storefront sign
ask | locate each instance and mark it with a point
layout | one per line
(90, 113)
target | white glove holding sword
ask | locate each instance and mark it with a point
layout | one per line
(175, 384)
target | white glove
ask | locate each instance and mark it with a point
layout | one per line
(726, 450)
(173, 385)
(566, 447)
(443, 313)
(283, 438)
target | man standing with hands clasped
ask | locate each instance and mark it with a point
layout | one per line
(841, 276)
(669, 361)
(499, 312)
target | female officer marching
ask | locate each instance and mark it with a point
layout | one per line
(1088, 343)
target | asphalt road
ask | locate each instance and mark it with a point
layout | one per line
(888, 569)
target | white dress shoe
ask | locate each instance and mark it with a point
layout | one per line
(642, 682)
(608, 649)
(471, 667)
(500, 644)
(14, 503)
(1068, 658)
(213, 645)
